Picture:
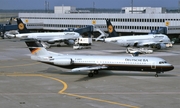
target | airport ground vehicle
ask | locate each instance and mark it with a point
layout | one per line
(139, 50)
(84, 41)
(77, 46)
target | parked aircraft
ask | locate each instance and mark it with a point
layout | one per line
(50, 37)
(158, 41)
(94, 63)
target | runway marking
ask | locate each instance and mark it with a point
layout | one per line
(65, 86)
(20, 65)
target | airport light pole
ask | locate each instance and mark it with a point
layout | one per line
(179, 6)
(132, 6)
(93, 6)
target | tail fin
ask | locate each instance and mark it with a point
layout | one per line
(21, 26)
(111, 30)
(36, 47)
(10, 21)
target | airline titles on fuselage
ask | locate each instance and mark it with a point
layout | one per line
(158, 36)
(140, 60)
(69, 33)
(126, 59)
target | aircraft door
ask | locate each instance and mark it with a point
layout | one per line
(153, 65)
(98, 62)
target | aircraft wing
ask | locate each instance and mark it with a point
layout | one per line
(147, 43)
(56, 39)
(89, 68)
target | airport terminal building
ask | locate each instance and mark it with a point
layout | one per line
(136, 20)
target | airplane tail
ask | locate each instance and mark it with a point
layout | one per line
(111, 30)
(36, 47)
(10, 21)
(21, 26)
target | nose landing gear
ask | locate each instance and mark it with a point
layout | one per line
(157, 74)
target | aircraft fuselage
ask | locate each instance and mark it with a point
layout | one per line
(140, 40)
(125, 63)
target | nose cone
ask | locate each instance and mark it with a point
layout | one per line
(171, 67)
(168, 68)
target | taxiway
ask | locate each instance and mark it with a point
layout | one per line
(29, 84)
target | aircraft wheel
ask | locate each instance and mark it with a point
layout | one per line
(156, 75)
(90, 74)
(58, 45)
(96, 72)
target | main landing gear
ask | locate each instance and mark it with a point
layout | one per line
(59, 45)
(92, 73)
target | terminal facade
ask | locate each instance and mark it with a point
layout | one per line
(140, 21)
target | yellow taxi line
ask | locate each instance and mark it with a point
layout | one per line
(100, 100)
(65, 86)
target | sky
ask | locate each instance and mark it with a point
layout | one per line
(109, 4)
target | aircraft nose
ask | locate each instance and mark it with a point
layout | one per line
(171, 67)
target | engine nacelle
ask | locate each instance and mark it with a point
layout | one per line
(51, 42)
(63, 62)
(161, 46)
(69, 42)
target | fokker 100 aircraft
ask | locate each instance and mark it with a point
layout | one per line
(93, 63)
(157, 41)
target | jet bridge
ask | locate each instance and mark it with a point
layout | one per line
(88, 29)
(7, 27)
(4, 28)
(161, 30)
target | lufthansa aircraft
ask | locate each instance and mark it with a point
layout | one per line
(157, 41)
(49, 37)
(93, 63)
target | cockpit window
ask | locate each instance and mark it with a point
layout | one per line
(162, 62)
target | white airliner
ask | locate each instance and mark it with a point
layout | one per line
(93, 63)
(50, 37)
(158, 41)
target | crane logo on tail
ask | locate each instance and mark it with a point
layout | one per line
(21, 26)
(110, 28)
